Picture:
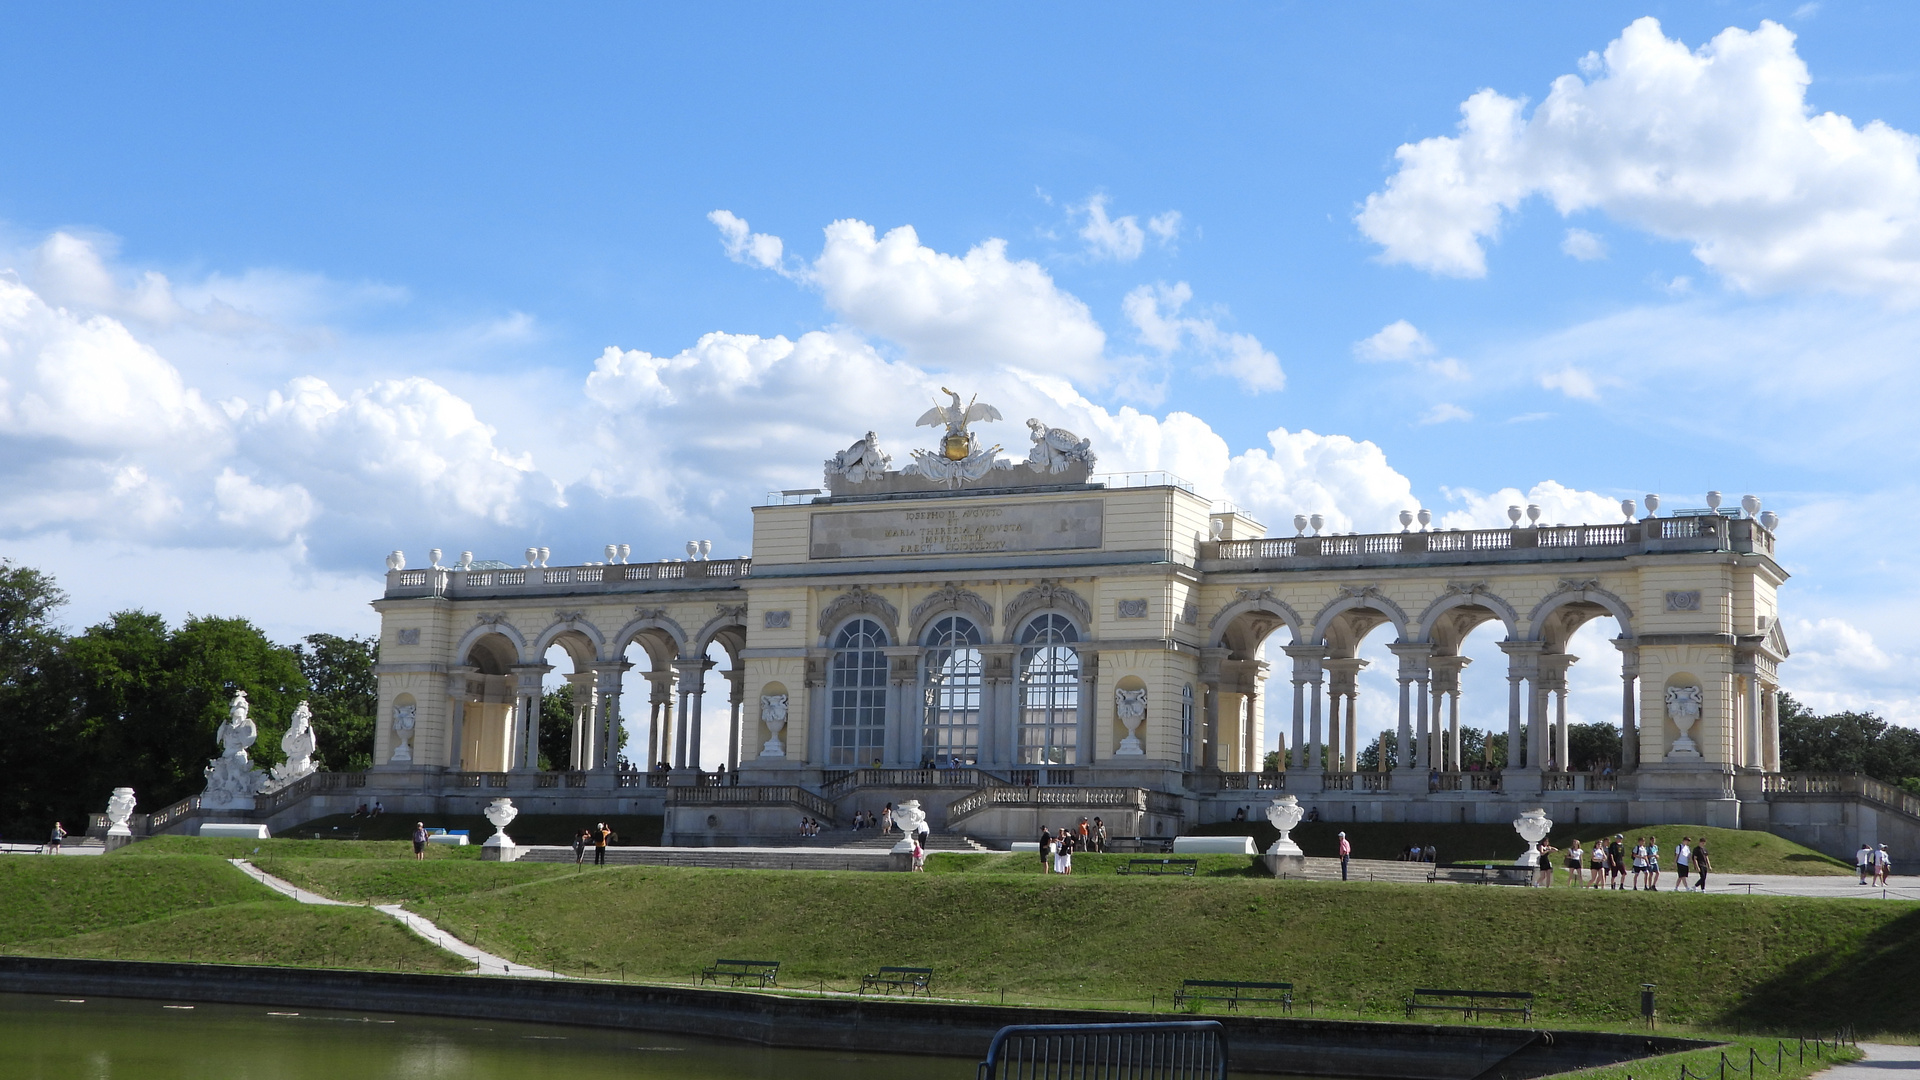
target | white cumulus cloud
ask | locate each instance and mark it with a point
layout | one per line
(1583, 245)
(743, 245)
(1123, 239)
(1559, 505)
(1155, 311)
(1716, 147)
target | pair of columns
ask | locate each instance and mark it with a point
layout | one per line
(688, 737)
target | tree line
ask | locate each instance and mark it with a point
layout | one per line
(134, 702)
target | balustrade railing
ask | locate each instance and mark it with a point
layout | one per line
(1654, 534)
(1866, 787)
(1336, 781)
(1556, 781)
(448, 581)
(1376, 781)
(1092, 798)
(1594, 781)
(1484, 781)
(839, 782)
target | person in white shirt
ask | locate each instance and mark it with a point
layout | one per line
(1653, 863)
(1864, 860)
(1681, 856)
(1882, 865)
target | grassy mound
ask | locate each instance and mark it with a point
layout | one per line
(1735, 851)
(1027, 862)
(262, 851)
(386, 881)
(264, 932)
(56, 897)
(1101, 939)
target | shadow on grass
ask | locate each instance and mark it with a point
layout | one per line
(1871, 986)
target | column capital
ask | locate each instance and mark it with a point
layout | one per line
(611, 667)
(1414, 657)
(531, 675)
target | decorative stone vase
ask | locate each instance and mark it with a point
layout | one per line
(1533, 827)
(910, 819)
(1131, 707)
(500, 847)
(119, 812)
(1284, 813)
(773, 713)
(1684, 705)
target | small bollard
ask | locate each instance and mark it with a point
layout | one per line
(1646, 1002)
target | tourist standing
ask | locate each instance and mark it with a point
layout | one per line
(1346, 853)
(1653, 864)
(1702, 863)
(1597, 865)
(419, 840)
(1063, 853)
(1617, 861)
(601, 834)
(1046, 851)
(1546, 864)
(1100, 835)
(1639, 861)
(53, 839)
(1682, 858)
(1574, 858)
(919, 856)
(1865, 861)
(579, 847)
(1882, 865)
(1086, 835)
(886, 820)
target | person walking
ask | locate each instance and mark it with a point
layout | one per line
(1682, 859)
(1346, 853)
(601, 834)
(1617, 861)
(53, 839)
(1544, 874)
(1639, 861)
(419, 840)
(1702, 863)
(1046, 851)
(919, 856)
(1597, 864)
(1882, 865)
(1653, 864)
(1574, 859)
(1063, 853)
(1864, 860)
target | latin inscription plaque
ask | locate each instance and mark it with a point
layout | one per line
(956, 530)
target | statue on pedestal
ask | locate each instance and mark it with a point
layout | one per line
(299, 744)
(911, 821)
(1055, 450)
(402, 735)
(1533, 827)
(1684, 704)
(232, 781)
(1131, 705)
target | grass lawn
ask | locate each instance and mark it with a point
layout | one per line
(1735, 851)
(275, 931)
(1101, 939)
(42, 897)
(389, 880)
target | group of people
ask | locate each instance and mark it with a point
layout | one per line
(1611, 864)
(810, 826)
(597, 838)
(1420, 853)
(369, 812)
(1874, 864)
(867, 819)
(1056, 849)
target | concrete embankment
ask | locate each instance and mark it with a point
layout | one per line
(1300, 1047)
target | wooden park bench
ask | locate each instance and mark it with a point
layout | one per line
(764, 972)
(1159, 867)
(913, 980)
(1234, 993)
(1471, 1006)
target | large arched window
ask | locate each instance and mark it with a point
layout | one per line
(857, 695)
(952, 730)
(1049, 692)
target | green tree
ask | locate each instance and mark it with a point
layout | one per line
(556, 727)
(1846, 742)
(1592, 747)
(344, 696)
(37, 749)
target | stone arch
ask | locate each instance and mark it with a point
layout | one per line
(1463, 595)
(728, 627)
(950, 600)
(1572, 591)
(648, 627)
(570, 629)
(1252, 602)
(1353, 598)
(859, 600)
(1049, 595)
(494, 626)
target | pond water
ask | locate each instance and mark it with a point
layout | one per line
(46, 1038)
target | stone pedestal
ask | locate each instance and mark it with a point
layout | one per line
(493, 851)
(118, 837)
(1284, 865)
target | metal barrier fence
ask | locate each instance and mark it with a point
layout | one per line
(1182, 1050)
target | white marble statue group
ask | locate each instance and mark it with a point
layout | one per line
(232, 779)
(960, 457)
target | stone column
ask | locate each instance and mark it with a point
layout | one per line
(1343, 686)
(1088, 749)
(606, 724)
(1629, 722)
(736, 698)
(583, 745)
(1211, 662)
(1755, 751)
(1522, 669)
(1446, 689)
(1453, 731)
(1306, 672)
(1352, 739)
(1335, 752)
(692, 672)
(525, 729)
(1414, 658)
(1772, 764)
(1425, 719)
(459, 695)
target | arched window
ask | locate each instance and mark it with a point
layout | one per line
(952, 730)
(1186, 728)
(857, 695)
(1049, 692)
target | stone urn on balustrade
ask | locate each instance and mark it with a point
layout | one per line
(1533, 827)
(1284, 858)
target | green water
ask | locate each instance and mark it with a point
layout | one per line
(44, 1038)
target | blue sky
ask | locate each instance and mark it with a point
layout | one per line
(293, 287)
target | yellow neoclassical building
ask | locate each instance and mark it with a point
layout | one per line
(1010, 641)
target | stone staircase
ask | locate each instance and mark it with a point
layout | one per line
(725, 858)
(1365, 870)
(873, 840)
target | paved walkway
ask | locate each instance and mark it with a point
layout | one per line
(1884, 1061)
(485, 963)
(1845, 886)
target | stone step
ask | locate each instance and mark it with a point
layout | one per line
(1364, 870)
(723, 858)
